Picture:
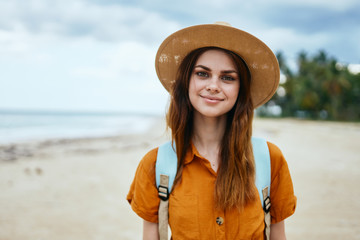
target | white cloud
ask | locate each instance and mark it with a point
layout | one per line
(291, 42)
(267, 5)
(77, 55)
(80, 18)
(85, 75)
(322, 4)
(354, 68)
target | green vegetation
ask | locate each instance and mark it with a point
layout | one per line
(320, 88)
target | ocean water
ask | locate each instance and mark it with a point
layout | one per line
(21, 126)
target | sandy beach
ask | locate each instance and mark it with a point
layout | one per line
(76, 189)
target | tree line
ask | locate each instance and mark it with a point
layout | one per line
(319, 88)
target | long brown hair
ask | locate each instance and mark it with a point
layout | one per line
(235, 183)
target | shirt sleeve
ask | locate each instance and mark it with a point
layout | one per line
(283, 200)
(143, 194)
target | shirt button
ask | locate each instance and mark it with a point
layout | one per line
(219, 220)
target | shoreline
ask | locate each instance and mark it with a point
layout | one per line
(31, 148)
(13, 151)
(76, 188)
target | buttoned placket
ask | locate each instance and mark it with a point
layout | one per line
(220, 223)
(219, 220)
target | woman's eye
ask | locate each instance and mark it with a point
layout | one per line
(202, 74)
(228, 78)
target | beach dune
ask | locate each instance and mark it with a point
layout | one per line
(76, 189)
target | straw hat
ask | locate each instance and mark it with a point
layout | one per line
(261, 61)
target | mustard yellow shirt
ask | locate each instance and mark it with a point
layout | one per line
(192, 213)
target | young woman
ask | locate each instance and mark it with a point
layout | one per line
(216, 75)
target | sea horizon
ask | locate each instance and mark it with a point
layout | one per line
(19, 125)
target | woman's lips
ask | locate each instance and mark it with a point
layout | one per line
(211, 99)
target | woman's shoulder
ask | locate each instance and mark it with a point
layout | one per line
(148, 161)
(279, 165)
(274, 149)
(150, 156)
(276, 156)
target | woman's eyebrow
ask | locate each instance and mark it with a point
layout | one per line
(229, 71)
(202, 66)
(208, 69)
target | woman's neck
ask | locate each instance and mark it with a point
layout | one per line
(208, 134)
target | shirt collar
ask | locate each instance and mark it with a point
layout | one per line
(191, 154)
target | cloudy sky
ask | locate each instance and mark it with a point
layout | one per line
(98, 55)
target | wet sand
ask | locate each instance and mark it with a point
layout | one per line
(76, 189)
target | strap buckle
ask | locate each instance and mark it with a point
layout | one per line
(267, 204)
(163, 192)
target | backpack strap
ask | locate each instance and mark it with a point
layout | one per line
(267, 217)
(166, 168)
(165, 171)
(166, 164)
(263, 178)
(163, 214)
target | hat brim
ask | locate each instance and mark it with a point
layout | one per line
(261, 61)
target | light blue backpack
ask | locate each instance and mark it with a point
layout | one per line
(166, 168)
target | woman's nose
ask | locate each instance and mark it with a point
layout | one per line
(213, 85)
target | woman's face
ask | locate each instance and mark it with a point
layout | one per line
(214, 84)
